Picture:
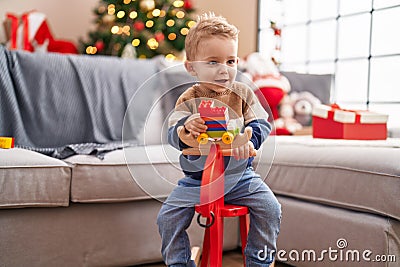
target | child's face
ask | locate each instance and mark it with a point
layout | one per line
(215, 64)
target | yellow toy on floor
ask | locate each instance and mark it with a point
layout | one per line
(6, 142)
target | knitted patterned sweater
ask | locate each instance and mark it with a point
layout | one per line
(243, 108)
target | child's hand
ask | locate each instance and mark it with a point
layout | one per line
(195, 125)
(243, 152)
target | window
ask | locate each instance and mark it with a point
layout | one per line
(357, 41)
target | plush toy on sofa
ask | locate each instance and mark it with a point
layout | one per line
(286, 124)
(295, 112)
(303, 104)
(272, 87)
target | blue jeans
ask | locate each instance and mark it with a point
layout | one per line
(248, 190)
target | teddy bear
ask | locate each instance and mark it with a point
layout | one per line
(295, 112)
(303, 104)
(286, 124)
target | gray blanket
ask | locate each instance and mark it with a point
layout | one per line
(62, 105)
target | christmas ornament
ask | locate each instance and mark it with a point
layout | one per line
(99, 45)
(159, 36)
(276, 53)
(188, 5)
(138, 25)
(129, 51)
(147, 5)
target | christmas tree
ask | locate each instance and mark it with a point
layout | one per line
(140, 28)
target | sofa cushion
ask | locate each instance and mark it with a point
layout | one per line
(310, 229)
(317, 84)
(151, 172)
(30, 179)
(358, 175)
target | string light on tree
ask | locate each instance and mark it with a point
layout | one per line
(120, 14)
(152, 43)
(133, 15)
(136, 42)
(156, 13)
(151, 27)
(149, 23)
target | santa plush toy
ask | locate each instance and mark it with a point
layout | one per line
(31, 32)
(272, 87)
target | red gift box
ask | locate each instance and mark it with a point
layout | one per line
(336, 123)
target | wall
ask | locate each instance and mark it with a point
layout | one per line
(67, 19)
(242, 13)
(72, 19)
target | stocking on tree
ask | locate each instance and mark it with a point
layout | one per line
(150, 27)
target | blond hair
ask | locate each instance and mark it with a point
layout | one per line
(208, 25)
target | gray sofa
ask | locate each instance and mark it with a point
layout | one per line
(84, 185)
(339, 197)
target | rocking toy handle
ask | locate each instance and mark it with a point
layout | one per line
(198, 149)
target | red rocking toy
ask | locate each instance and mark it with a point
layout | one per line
(212, 206)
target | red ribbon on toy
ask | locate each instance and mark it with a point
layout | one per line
(25, 24)
(14, 28)
(14, 31)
